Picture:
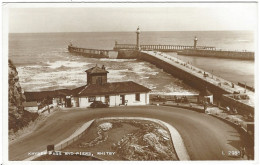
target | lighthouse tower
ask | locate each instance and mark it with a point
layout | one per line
(137, 39)
(195, 42)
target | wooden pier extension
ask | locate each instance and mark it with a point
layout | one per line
(93, 53)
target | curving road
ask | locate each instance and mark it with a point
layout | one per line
(205, 137)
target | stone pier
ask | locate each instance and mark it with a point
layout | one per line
(198, 78)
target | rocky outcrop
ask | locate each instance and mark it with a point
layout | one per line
(15, 94)
(18, 118)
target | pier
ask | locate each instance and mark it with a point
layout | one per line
(200, 79)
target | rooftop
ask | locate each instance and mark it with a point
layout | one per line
(97, 69)
(39, 96)
(113, 88)
(30, 104)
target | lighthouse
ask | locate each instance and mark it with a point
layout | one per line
(195, 42)
(137, 39)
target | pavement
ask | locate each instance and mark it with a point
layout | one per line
(205, 137)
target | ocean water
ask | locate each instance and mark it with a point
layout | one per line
(44, 63)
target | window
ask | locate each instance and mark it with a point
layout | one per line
(91, 98)
(137, 97)
(99, 80)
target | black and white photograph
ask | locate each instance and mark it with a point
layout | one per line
(152, 81)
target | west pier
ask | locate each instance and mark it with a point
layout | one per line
(199, 79)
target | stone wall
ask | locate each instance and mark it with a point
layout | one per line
(229, 100)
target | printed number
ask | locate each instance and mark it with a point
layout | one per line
(234, 153)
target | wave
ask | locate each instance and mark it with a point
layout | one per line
(70, 64)
(117, 60)
(145, 77)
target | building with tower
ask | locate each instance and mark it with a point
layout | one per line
(112, 93)
(97, 88)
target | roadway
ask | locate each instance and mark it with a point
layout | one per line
(205, 137)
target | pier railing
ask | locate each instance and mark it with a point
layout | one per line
(161, 47)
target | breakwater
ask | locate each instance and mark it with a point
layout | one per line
(196, 77)
(218, 54)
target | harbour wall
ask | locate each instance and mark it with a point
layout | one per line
(218, 54)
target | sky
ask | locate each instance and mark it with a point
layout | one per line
(110, 18)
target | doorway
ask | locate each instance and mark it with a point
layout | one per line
(68, 101)
(122, 99)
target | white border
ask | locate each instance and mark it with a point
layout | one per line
(4, 68)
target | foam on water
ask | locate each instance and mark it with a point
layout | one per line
(68, 74)
(117, 60)
(71, 64)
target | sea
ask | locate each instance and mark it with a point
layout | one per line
(44, 63)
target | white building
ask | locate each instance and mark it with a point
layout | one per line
(114, 94)
(126, 93)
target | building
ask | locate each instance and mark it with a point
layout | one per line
(97, 88)
(114, 93)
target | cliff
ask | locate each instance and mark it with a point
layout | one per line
(18, 118)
